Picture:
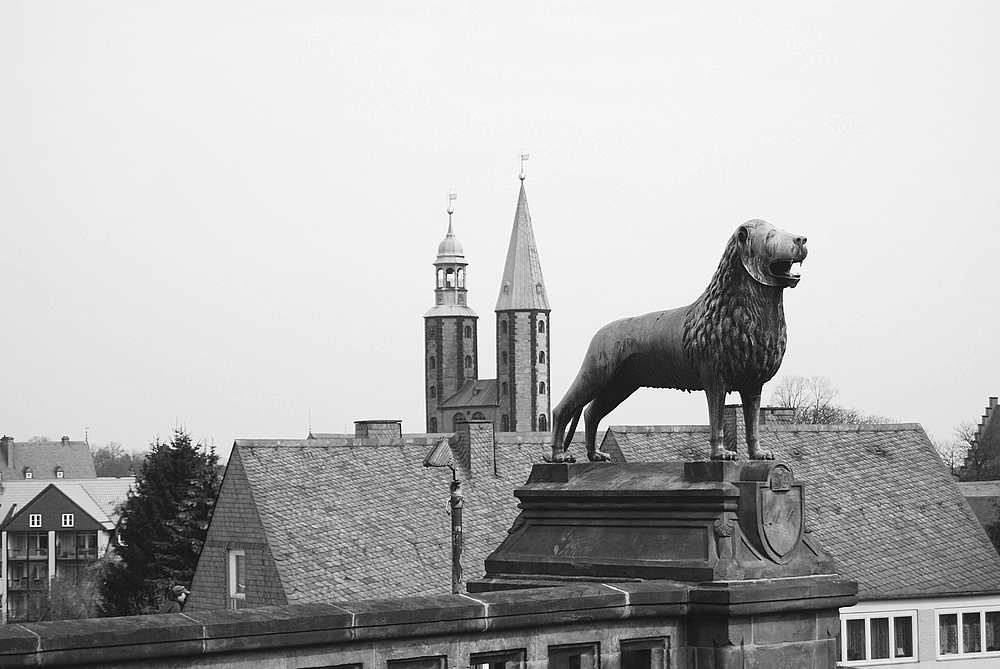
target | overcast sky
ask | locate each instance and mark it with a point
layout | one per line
(224, 215)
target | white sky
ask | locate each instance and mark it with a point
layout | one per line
(224, 214)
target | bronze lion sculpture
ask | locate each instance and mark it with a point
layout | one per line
(730, 339)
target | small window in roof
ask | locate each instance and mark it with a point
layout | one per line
(59, 473)
(27, 473)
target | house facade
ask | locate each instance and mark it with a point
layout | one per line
(52, 530)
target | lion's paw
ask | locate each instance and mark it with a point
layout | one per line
(761, 454)
(724, 454)
(562, 456)
(598, 456)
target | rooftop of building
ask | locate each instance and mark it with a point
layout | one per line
(45, 459)
(100, 498)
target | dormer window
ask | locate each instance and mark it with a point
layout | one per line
(27, 473)
(59, 473)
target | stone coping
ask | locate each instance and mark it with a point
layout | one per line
(106, 640)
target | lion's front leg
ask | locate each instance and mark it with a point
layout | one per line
(716, 407)
(751, 419)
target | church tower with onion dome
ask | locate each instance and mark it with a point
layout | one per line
(450, 331)
(523, 330)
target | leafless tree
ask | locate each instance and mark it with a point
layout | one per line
(813, 401)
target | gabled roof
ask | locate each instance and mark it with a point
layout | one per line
(877, 496)
(43, 457)
(522, 286)
(479, 393)
(100, 498)
(350, 519)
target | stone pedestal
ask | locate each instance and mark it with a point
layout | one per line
(760, 589)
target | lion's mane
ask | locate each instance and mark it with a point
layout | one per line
(737, 326)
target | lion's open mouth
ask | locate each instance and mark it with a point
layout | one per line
(783, 268)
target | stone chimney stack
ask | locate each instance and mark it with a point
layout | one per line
(378, 429)
(65, 440)
(7, 450)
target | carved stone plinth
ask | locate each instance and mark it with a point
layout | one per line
(753, 586)
(682, 521)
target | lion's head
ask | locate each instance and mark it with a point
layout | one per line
(768, 253)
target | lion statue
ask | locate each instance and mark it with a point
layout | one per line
(732, 338)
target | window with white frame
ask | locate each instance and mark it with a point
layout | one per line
(877, 638)
(67, 520)
(34, 520)
(237, 578)
(969, 632)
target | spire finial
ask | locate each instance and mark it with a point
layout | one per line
(524, 156)
(451, 209)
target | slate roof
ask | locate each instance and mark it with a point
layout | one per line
(346, 519)
(877, 496)
(100, 498)
(479, 393)
(43, 457)
(522, 286)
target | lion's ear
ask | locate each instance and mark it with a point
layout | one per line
(744, 234)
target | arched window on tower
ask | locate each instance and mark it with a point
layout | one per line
(449, 278)
(541, 356)
(543, 423)
(503, 357)
(541, 388)
(433, 392)
(461, 277)
(468, 362)
(432, 362)
(503, 327)
(434, 424)
(541, 327)
(440, 274)
(504, 423)
(503, 388)
(468, 332)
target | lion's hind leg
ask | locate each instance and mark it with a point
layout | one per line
(606, 401)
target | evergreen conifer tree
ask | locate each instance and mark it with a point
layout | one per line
(163, 527)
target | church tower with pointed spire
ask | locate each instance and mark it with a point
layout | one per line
(450, 332)
(523, 331)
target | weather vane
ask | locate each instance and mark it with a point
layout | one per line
(451, 209)
(524, 156)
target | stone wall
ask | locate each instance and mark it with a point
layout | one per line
(774, 625)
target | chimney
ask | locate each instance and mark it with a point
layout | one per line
(378, 429)
(472, 434)
(7, 450)
(65, 440)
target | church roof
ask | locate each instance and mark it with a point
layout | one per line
(878, 497)
(479, 393)
(522, 286)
